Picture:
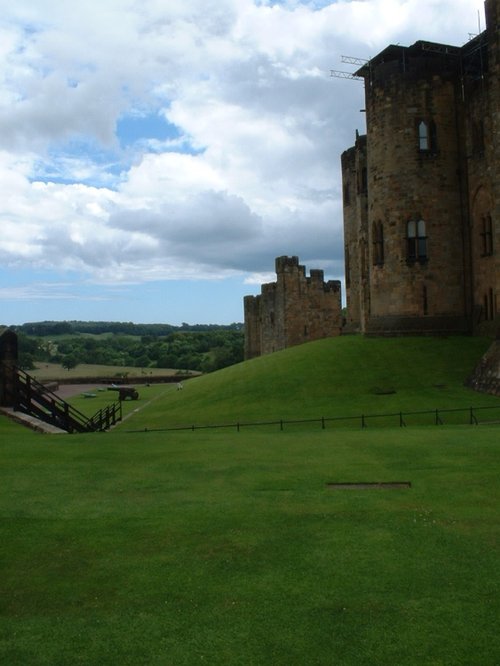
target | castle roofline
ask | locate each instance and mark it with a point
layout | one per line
(400, 53)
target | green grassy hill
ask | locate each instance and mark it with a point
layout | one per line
(230, 548)
(334, 377)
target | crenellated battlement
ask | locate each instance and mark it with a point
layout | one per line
(293, 310)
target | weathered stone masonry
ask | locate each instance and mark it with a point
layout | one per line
(293, 310)
(422, 190)
(8, 362)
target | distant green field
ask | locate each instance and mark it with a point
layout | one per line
(225, 547)
(52, 371)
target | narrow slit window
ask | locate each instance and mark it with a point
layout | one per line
(423, 136)
(378, 244)
(487, 236)
(427, 137)
(416, 241)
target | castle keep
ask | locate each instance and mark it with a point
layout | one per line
(421, 190)
(421, 205)
(293, 310)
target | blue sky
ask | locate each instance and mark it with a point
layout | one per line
(156, 157)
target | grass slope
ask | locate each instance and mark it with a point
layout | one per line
(343, 376)
(220, 547)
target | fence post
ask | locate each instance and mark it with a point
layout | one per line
(66, 417)
(473, 419)
(28, 391)
(402, 424)
(363, 424)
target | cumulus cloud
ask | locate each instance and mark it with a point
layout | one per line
(251, 168)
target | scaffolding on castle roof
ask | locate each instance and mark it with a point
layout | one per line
(345, 75)
(350, 60)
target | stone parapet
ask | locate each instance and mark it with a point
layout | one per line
(293, 310)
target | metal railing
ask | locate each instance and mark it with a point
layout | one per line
(439, 417)
(32, 397)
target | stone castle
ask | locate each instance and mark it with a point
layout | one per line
(293, 310)
(421, 205)
(421, 190)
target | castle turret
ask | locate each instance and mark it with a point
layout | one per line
(293, 310)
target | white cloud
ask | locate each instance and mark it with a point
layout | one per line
(254, 173)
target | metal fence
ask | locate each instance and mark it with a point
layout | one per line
(440, 417)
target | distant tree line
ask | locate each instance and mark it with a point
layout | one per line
(199, 347)
(44, 328)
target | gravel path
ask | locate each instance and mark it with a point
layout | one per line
(67, 390)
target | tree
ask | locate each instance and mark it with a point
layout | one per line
(26, 361)
(69, 362)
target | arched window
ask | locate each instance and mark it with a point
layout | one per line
(378, 244)
(416, 241)
(423, 136)
(427, 137)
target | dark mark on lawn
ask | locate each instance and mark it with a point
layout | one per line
(369, 485)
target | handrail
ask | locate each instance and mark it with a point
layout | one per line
(36, 399)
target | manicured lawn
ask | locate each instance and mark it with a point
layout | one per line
(223, 547)
(229, 548)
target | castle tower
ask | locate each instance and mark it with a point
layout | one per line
(417, 224)
(422, 232)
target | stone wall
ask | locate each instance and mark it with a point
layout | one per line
(354, 170)
(8, 362)
(422, 238)
(293, 310)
